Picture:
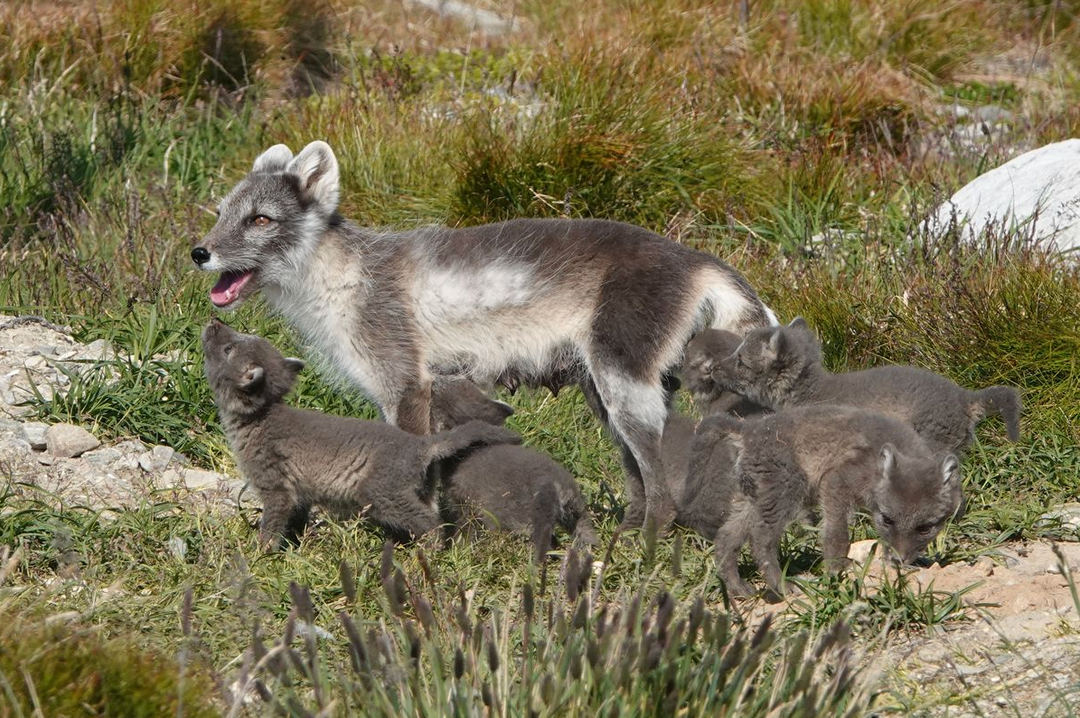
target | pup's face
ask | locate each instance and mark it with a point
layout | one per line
(246, 372)
(913, 499)
(768, 360)
(270, 222)
(705, 354)
(455, 402)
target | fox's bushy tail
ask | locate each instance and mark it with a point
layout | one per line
(472, 433)
(1005, 402)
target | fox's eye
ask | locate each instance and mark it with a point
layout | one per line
(924, 528)
(886, 521)
(261, 220)
(227, 350)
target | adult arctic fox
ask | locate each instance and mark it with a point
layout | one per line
(610, 304)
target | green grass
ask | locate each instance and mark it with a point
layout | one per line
(121, 126)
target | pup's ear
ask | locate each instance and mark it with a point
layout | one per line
(317, 169)
(252, 379)
(275, 159)
(775, 346)
(293, 364)
(950, 472)
(888, 461)
(798, 323)
(503, 408)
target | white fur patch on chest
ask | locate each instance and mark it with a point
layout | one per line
(322, 307)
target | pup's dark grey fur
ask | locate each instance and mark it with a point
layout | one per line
(781, 367)
(297, 459)
(543, 302)
(507, 487)
(702, 355)
(700, 470)
(836, 458)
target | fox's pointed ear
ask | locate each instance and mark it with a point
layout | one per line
(798, 323)
(252, 379)
(294, 365)
(275, 159)
(317, 169)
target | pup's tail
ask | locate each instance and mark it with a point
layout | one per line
(1005, 402)
(472, 433)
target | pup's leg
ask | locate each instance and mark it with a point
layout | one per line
(637, 411)
(765, 548)
(405, 513)
(413, 412)
(278, 508)
(296, 523)
(730, 538)
(545, 511)
(835, 540)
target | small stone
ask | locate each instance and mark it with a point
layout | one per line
(1067, 517)
(156, 459)
(34, 433)
(69, 441)
(46, 350)
(103, 456)
(14, 447)
(862, 551)
(972, 670)
(46, 459)
(984, 566)
(35, 362)
(170, 478)
(199, 479)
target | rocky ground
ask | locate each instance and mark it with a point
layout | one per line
(1020, 657)
(68, 462)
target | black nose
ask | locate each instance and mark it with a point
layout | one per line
(200, 256)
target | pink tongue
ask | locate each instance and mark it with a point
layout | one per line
(228, 287)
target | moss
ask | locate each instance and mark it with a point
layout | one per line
(65, 670)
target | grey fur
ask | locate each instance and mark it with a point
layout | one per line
(507, 487)
(781, 367)
(838, 459)
(540, 302)
(702, 355)
(699, 464)
(297, 459)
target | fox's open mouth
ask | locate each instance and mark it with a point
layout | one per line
(229, 287)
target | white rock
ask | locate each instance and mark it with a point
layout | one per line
(1066, 516)
(862, 551)
(475, 17)
(68, 440)
(199, 479)
(1041, 187)
(14, 447)
(103, 456)
(156, 459)
(34, 434)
